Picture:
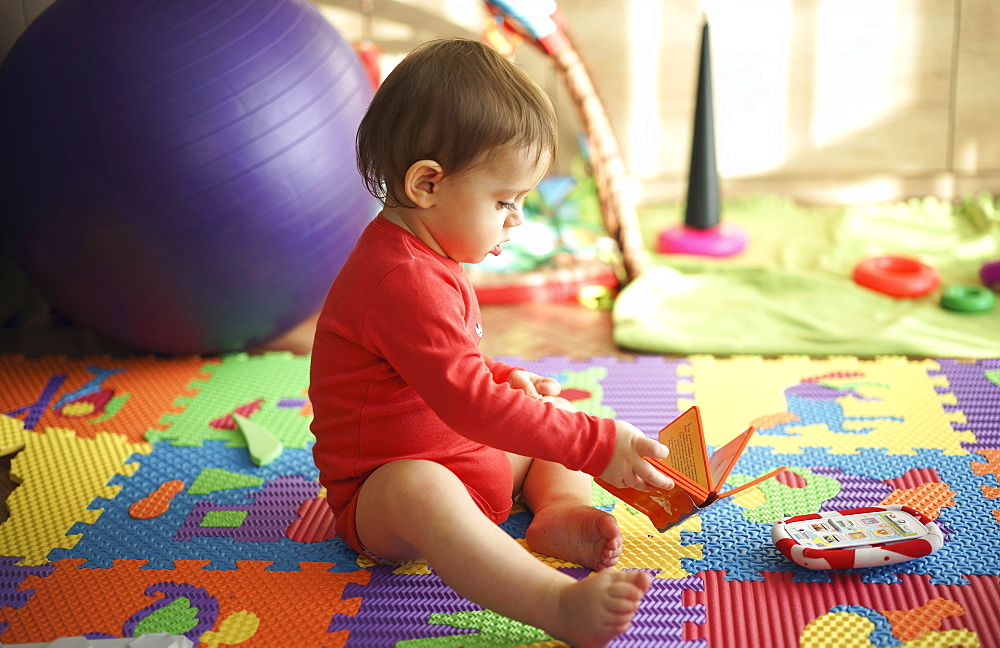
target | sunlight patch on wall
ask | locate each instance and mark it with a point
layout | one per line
(854, 68)
(751, 50)
(645, 133)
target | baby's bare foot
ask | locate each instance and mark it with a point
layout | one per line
(580, 534)
(600, 607)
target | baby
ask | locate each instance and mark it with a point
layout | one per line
(423, 443)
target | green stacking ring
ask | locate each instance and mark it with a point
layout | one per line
(968, 299)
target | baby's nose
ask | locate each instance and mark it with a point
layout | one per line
(514, 218)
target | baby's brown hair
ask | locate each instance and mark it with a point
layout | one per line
(452, 101)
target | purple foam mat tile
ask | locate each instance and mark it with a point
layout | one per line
(11, 577)
(269, 512)
(977, 397)
(396, 607)
(856, 491)
(662, 615)
(642, 391)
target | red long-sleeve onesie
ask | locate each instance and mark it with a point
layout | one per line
(397, 374)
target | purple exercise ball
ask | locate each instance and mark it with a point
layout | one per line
(179, 175)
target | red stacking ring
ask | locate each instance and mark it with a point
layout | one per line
(897, 276)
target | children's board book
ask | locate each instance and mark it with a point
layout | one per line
(698, 477)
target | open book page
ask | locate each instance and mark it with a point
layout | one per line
(752, 482)
(697, 477)
(723, 460)
(688, 456)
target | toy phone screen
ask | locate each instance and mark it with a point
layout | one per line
(856, 530)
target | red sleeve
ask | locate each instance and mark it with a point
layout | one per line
(435, 354)
(501, 370)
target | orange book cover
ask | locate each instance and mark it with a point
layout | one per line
(698, 477)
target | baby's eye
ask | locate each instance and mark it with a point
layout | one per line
(509, 206)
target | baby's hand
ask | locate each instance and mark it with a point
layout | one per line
(534, 385)
(628, 468)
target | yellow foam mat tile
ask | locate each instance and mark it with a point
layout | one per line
(59, 474)
(645, 547)
(888, 402)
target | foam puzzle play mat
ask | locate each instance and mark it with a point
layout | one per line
(142, 497)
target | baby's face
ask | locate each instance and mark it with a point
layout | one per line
(476, 209)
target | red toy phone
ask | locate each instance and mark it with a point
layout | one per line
(861, 537)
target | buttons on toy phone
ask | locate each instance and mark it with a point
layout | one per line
(856, 538)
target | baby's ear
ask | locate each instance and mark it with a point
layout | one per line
(421, 182)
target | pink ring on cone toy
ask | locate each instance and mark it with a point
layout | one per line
(719, 241)
(897, 276)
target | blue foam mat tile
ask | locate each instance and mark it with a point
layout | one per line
(115, 534)
(970, 522)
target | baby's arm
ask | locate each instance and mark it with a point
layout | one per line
(627, 466)
(534, 385)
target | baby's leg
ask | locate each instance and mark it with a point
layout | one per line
(565, 525)
(410, 509)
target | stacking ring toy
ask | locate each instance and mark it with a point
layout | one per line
(897, 276)
(968, 299)
(990, 275)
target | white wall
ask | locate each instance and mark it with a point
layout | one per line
(822, 100)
